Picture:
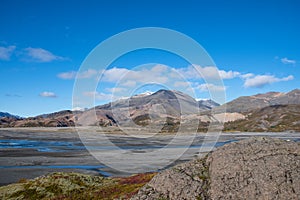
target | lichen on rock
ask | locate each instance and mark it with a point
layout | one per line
(255, 168)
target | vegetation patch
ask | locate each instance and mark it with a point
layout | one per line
(67, 186)
(277, 118)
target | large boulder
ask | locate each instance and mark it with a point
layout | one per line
(256, 168)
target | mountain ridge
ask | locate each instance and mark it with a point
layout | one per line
(246, 104)
(6, 114)
(167, 109)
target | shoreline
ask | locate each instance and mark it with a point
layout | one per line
(116, 130)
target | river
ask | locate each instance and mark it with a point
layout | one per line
(28, 153)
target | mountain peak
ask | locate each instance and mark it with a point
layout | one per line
(142, 94)
(169, 94)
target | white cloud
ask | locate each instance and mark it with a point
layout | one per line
(122, 76)
(67, 75)
(288, 78)
(207, 72)
(262, 80)
(287, 61)
(114, 74)
(116, 89)
(179, 78)
(87, 74)
(6, 52)
(245, 76)
(127, 77)
(48, 94)
(229, 74)
(99, 95)
(41, 55)
(210, 87)
(250, 79)
(129, 83)
(159, 73)
(197, 71)
(181, 84)
(80, 75)
(159, 68)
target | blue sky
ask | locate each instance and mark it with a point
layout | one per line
(254, 44)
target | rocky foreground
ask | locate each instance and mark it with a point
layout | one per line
(256, 168)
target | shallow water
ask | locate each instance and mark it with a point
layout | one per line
(95, 168)
(117, 142)
(31, 154)
(42, 146)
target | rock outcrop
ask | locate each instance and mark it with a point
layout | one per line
(185, 181)
(256, 168)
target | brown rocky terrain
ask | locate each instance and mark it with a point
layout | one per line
(163, 108)
(246, 104)
(275, 118)
(166, 111)
(64, 118)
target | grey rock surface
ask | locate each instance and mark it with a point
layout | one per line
(185, 181)
(256, 168)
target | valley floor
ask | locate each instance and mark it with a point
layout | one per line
(31, 152)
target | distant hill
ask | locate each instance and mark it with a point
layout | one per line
(274, 118)
(6, 119)
(174, 102)
(5, 114)
(246, 104)
(167, 110)
(146, 109)
(163, 106)
(58, 119)
(292, 97)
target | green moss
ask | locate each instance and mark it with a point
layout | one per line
(199, 198)
(76, 186)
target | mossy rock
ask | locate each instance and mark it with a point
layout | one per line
(75, 186)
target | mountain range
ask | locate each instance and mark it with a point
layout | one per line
(167, 109)
(246, 104)
(6, 114)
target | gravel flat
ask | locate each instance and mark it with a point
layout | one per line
(31, 152)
